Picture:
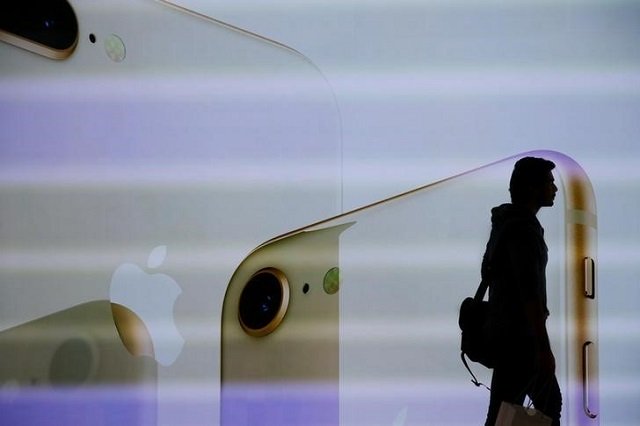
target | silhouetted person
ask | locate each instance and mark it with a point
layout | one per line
(514, 263)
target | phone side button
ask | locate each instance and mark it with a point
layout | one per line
(586, 384)
(589, 278)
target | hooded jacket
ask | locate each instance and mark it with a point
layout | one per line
(514, 264)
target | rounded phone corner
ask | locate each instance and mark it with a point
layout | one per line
(132, 331)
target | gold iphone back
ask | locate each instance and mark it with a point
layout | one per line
(142, 165)
(71, 367)
(405, 264)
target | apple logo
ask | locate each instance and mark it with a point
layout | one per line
(151, 297)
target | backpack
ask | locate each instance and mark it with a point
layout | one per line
(473, 322)
(473, 319)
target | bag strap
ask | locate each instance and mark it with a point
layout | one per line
(474, 379)
(482, 290)
(480, 293)
(531, 387)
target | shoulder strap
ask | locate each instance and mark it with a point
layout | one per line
(492, 244)
(482, 290)
(474, 380)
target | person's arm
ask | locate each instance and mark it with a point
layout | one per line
(536, 319)
(528, 266)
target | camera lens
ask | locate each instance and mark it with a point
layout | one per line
(263, 302)
(49, 23)
(72, 362)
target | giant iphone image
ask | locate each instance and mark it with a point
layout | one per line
(144, 150)
(353, 320)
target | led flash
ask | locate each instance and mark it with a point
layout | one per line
(114, 46)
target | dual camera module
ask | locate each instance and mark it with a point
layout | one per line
(265, 299)
(49, 28)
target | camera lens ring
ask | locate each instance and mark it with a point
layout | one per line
(263, 302)
(45, 27)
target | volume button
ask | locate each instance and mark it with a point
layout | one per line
(589, 278)
(586, 391)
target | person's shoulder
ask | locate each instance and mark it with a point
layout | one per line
(510, 217)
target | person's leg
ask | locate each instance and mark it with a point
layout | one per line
(546, 397)
(507, 384)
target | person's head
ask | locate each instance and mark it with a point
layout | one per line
(532, 182)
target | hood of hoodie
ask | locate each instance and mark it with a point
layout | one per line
(511, 213)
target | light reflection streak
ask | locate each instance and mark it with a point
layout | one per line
(212, 257)
(475, 82)
(81, 405)
(227, 177)
(233, 86)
